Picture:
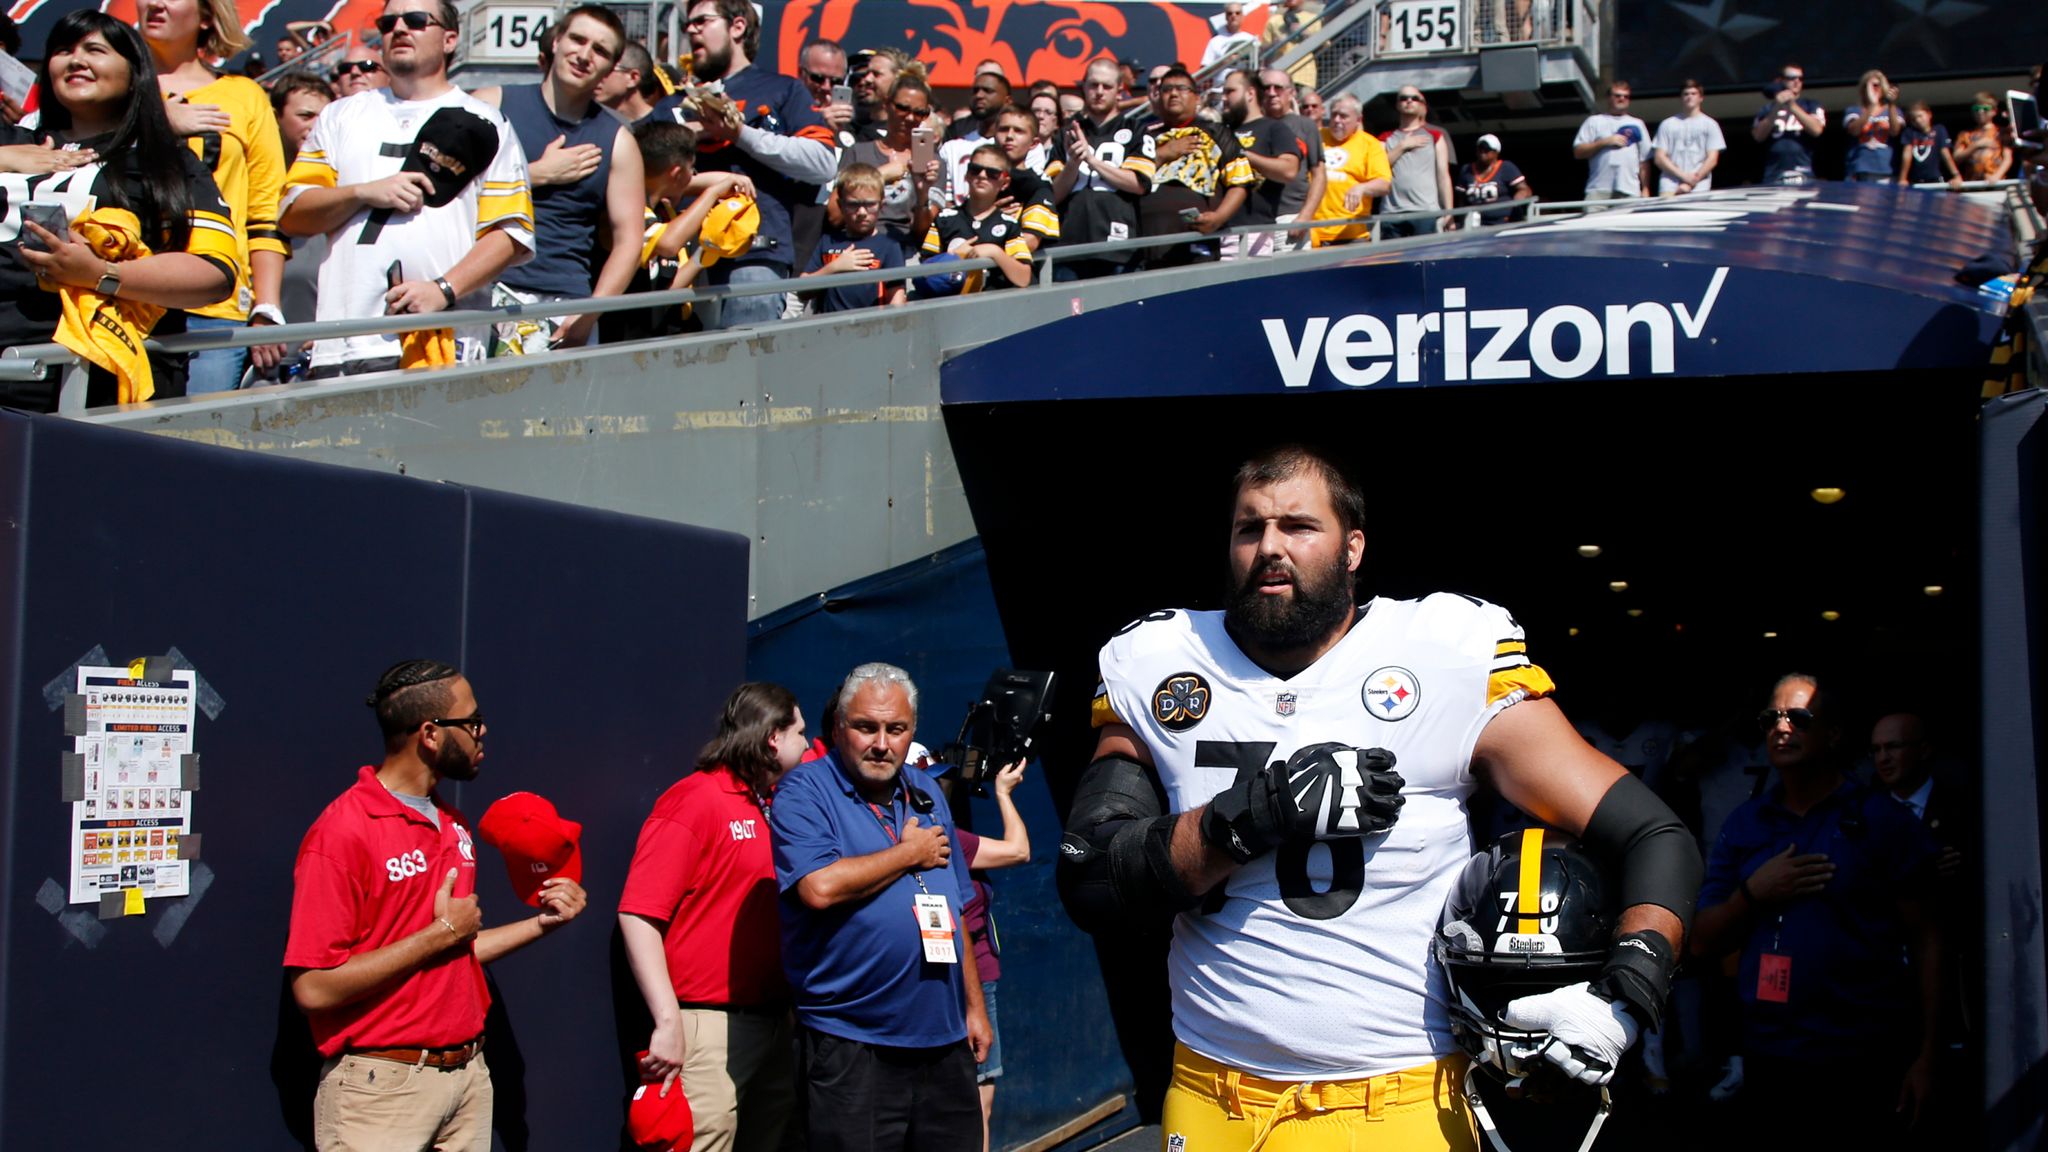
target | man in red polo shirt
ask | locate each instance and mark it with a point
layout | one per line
(387, 943)
(703, 929)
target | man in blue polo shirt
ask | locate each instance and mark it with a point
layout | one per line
(887, 996)
(1821, 884)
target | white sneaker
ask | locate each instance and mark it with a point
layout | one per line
(1731, 1081)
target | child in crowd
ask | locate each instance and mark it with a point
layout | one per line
(1924, 150)
(668, 256)
(979, 229)
(857, 246)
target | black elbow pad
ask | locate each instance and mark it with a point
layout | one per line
(1641, 839)
(1114, 867)
(1648, 846)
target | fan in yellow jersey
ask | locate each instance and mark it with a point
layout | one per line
(227, 122)
(1357, 168)
(1314, 759)
(421, 189)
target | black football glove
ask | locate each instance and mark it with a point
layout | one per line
(1323, 792)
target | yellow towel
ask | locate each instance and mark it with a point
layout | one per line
(106, 331)
(427, 348)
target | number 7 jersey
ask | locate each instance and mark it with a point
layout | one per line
(1313, 961)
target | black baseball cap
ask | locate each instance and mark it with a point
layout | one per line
(452, 148)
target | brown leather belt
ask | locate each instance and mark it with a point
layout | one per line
(428, 1057)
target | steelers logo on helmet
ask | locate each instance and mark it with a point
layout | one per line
(1181, 701)
(1530, 915)
(1391, 693)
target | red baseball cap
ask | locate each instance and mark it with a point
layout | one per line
(657, 1122)
(538, 844)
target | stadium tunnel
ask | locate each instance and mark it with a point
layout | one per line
(1690, 451)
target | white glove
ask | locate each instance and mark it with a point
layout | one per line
(1588, 1033)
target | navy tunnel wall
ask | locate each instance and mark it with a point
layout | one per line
(936, 618)
(599, 645)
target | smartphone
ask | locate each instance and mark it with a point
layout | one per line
(1190, 215)
(2025, 116)
(922, 149)
(50, 216)
(842, 94)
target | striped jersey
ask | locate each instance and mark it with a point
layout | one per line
(1313, 962)
(363, 138)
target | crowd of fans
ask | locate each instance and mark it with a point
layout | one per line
(383, 188)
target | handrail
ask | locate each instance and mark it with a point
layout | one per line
(1326, 31)
(30, 361)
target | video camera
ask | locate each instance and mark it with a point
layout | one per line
(1002, 726)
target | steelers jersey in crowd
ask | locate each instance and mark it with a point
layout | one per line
(1036, 211)
(366, 137)
(1096, 211)
(247, 162)
(30, 312)
(1315, 962)
(1195, 180)
(956, 227)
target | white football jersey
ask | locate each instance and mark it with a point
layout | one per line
(365, 137)
(1315, 962)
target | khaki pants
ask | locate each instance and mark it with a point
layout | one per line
(739, 1070)
(370, 1105)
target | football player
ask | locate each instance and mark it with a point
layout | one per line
(1289, 776)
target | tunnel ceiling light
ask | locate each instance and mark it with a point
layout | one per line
(1635, 611)
(1571, 631)
(1932, 590)
(1831, 615)
(1617, 585)
(1589, 550)
(1827, 495)
(1770, 635)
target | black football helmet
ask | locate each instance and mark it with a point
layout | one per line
(1530, 915)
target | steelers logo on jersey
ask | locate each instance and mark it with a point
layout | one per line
(1391, 693)
(1181, 701)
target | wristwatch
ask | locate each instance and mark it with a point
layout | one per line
(110, 281)
(447, 290)
(269, 313)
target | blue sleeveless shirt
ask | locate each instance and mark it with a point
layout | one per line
(568, 219)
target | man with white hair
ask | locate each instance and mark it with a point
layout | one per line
(888, 998)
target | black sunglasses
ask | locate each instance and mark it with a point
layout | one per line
(974, 170)
(821, 78)
(910, 109)
(366, 67)
(472, 723)
(414, 21)
(1800, 718)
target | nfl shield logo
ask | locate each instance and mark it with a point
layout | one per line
(1284, 704)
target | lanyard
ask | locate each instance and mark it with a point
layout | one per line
(890, 829)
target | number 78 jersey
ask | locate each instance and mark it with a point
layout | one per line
(1315, 962)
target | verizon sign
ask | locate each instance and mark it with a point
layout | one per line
(1562, 342)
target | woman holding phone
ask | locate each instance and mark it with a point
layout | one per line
(100, 94)
(228, 124)
(906, 183)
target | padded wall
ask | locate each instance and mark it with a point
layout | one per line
(600, 645)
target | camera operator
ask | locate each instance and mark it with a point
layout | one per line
(985, 854)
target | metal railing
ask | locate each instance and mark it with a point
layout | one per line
(1418, 30)
(34, 361)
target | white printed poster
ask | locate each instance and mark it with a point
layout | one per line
(125, 832)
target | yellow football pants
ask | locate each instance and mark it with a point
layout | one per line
(1214, 1108)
